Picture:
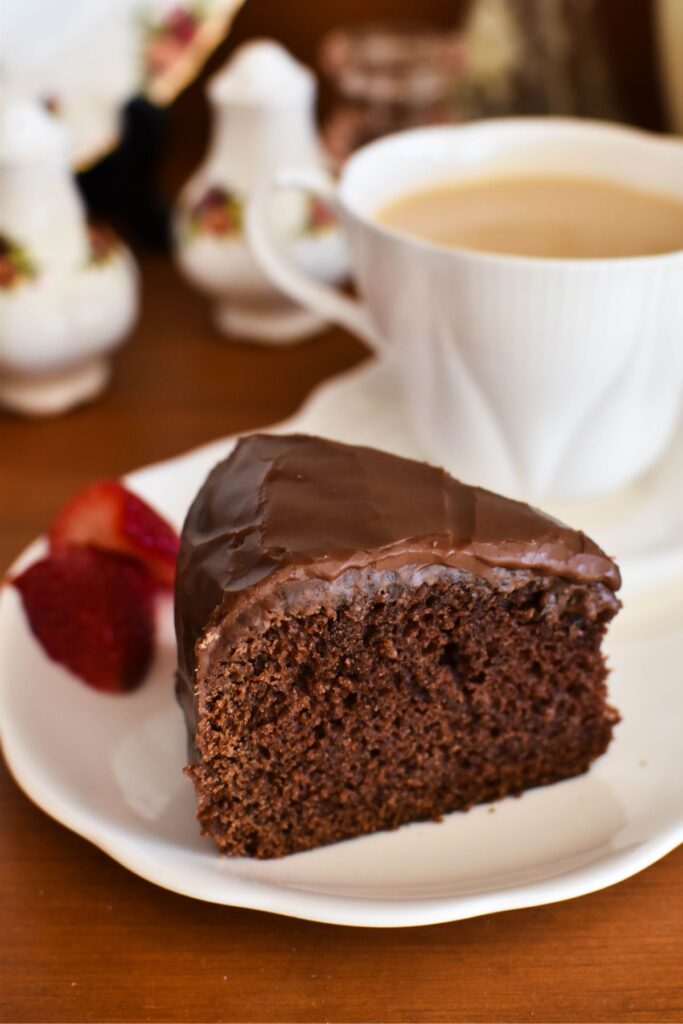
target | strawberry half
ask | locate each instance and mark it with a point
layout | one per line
(106, 515)
(93, 612)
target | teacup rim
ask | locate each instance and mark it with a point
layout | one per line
(580, 124)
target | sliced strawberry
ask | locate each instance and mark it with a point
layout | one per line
(106, 515)
(93, 612)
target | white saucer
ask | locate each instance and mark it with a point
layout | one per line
(110, 767)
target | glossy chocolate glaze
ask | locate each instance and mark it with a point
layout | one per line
(292, 511)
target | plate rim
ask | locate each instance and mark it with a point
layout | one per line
(354, 911)
(609, 868)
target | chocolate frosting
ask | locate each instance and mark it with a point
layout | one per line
(295, 508)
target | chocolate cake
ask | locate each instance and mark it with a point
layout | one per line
(364, 641)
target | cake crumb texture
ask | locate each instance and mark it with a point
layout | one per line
(399, 704)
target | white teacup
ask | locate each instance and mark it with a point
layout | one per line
(536, 377)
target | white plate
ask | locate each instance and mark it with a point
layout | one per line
(110, 767)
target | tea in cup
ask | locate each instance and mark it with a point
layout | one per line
(524, 277)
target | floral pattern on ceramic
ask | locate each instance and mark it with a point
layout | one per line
(263, 105)
(16, 266)
(318, 217)
(105, 244)
(166, 39)
(68, 290)
(219, 212)
(88, 59)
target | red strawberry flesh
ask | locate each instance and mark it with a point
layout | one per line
(93, 612)
(106, 515)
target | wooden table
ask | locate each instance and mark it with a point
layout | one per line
(81, 939)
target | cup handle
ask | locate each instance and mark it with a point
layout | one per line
(326, 301)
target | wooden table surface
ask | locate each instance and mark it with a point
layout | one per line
(82, 939)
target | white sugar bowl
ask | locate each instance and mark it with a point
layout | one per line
(68, 291)
(263, 119)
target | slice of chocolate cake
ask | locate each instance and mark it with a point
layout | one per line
(364, 641)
